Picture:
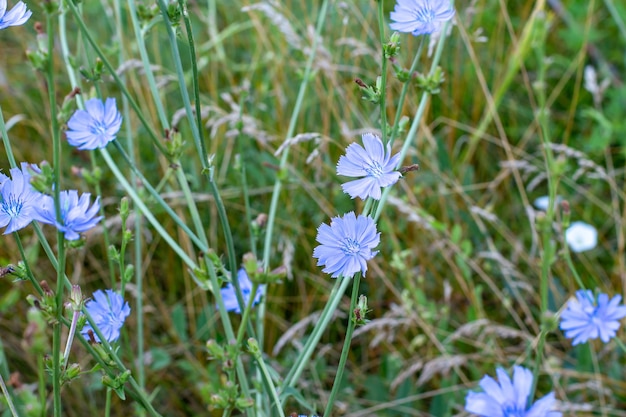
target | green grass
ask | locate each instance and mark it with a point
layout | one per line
(455, 290)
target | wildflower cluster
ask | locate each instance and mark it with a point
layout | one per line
(20, 204)
(346, 245)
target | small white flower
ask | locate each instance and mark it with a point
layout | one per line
(581, 237)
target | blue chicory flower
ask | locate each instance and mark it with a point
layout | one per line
(18, 199)
(17, 16)
(420, 17)
(108, 311)
(96, 126)
(76, 214)
(509, 398)
(374, 163)
(228, 292)
(583, 319)
(346, 245)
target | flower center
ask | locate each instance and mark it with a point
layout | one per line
(98, 128)
(12, 206)
(511, 410)
(350, 247)
(425, 14)
(374, 170)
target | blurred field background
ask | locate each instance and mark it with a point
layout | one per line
(454, 291)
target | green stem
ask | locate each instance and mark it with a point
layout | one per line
(145, 60)
(107, 403)
(140, 394)
(29, 272)
(56, 157)
(267, 246)
(230, 246)
(246, 314)
(178, 65)
(546, 227)
(267, 378)
(8, 398)
(157, 197)
(403, 92)
(194, 76)
(228, 328)
(617, 17)
(41, 382)
(416, 120)
(139, 203)
(383, 79)
(191, 204)
(537, 367)
(346, 345)
(105, 230)
(6, 142)
(290, 131)
(325, 318)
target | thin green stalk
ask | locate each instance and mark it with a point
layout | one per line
(6, 142)
(145, 60)
(596, 369)
(139, 203)
(157, 197)
(107, 403)
(546, 226)
(346, 345)
(178, 65)
(8, 398)
(212, 27)
(230, 246)
(65, 52)
(141, 371)
(191, 204)
(244, 179)
(56, 157)
(194, 74)
(140, 394)
(269, 230)
(105, 230)
(4, 371)
(617, 17)
(620, 344)
(403, 92)
(321, 19)
(228, 328)
(568, 260)
(266, 376)
(41, 384)
(537, 366)
(325, 318)
(246, 313)
(29, 272)
(383, 76)
(416, 120)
